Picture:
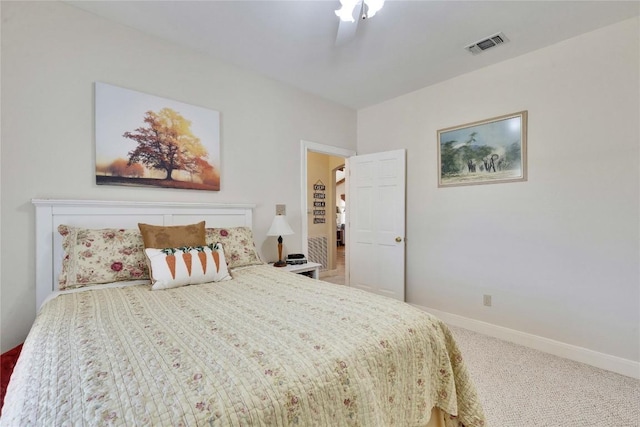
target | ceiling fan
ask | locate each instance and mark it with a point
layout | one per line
(363, 9)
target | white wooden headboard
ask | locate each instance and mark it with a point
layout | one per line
(107, 214)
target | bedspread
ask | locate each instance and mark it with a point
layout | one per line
(266, 348)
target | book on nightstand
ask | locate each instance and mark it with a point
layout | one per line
(296, 259)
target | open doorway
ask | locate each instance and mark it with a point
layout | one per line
(337, 274)
(323, 237)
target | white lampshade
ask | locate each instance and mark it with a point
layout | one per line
(279, 227)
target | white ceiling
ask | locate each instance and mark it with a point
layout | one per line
(406, 46)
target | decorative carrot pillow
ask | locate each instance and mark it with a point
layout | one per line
(174, 267)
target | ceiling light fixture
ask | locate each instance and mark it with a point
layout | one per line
(367, 8)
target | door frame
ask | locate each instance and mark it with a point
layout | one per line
(305, 148)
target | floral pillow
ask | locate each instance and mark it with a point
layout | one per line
(94, 256)
(237, 243)
(174, 267)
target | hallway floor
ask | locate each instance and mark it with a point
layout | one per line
(338, 278)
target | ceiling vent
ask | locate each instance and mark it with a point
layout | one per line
(487, 43)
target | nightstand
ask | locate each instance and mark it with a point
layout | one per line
(310, 267)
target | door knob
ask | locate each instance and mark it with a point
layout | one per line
(398, 239)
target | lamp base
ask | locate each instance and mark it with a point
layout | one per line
(280, 263)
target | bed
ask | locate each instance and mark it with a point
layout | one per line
(258, 346)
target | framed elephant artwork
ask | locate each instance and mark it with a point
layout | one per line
(489, 151)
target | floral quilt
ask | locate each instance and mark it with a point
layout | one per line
(266, 348)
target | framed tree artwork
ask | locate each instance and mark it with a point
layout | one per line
(146, 140)
(485, 152)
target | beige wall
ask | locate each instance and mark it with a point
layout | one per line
(53, 53)
(558, 253)
(318, 169)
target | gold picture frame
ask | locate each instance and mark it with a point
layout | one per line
(489, 151)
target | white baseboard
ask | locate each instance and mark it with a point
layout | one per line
(615, 364)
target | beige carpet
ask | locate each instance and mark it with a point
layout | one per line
(521, 387)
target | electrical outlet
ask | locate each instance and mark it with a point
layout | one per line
(281, 209)
(486, 300)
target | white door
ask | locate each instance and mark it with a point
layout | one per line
(376, 211)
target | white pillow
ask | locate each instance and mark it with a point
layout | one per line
(174, 267)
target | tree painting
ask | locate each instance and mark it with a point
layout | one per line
(166, 143)
(144, 140)
(483, 152)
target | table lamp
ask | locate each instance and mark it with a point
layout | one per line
(279, 227)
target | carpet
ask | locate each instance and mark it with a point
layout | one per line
(519, 387)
